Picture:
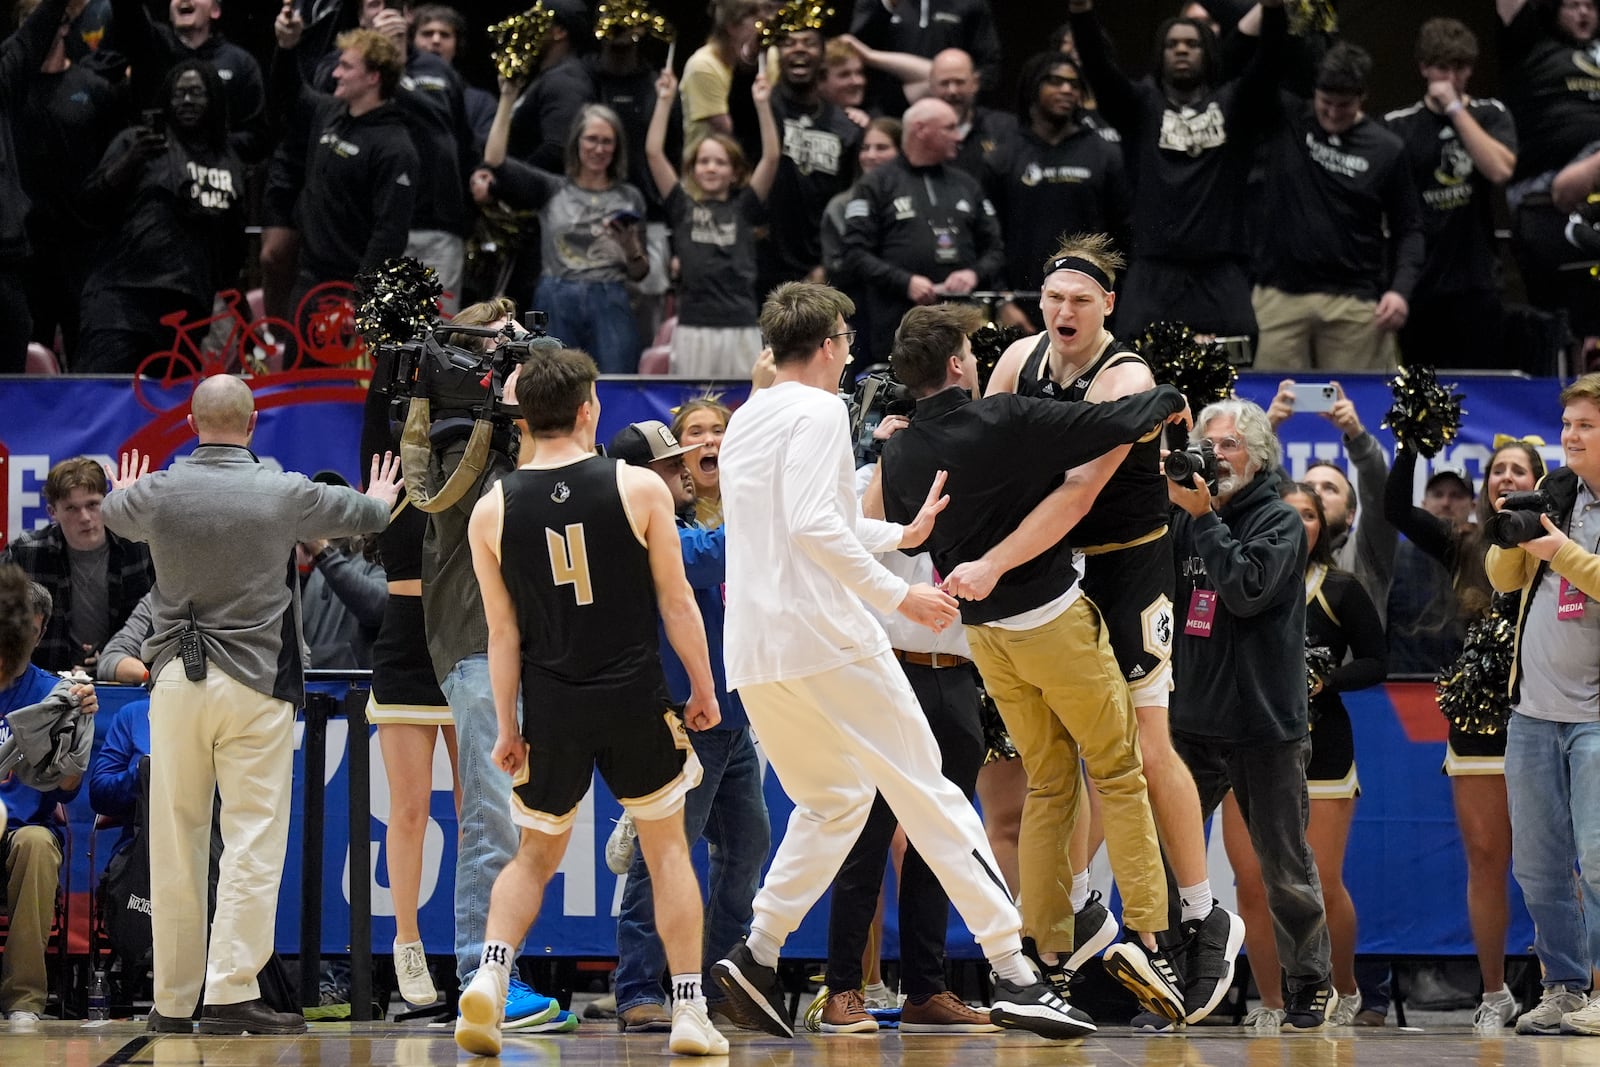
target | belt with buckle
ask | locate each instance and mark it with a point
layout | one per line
(936, 660)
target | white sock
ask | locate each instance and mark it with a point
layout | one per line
(764, 947)
(686, 987)
(1196, 899)
(498, 956)
(1015, 968)
(1080, 890)
(1499, 996)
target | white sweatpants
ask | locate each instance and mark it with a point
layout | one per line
(209, 736)
(835, 739)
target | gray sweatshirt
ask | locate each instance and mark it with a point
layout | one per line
(222, 530)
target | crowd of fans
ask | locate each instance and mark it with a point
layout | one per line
(1258, 192)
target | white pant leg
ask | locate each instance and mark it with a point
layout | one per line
(836, 737)
(888, 734)
(255, 767)
(182, 785)
(831, 795)
(446, 253)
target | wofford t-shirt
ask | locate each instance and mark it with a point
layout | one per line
(1457, 200)
(1553, 91)
(716, 248)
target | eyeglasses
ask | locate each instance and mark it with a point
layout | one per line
(1226, 444)
(597, 142)
(848, 335)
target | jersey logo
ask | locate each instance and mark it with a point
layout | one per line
(1081, 383)
(1137, 672)
(903, 208)
(1156, 625)
(560, 493)
(1049, 389)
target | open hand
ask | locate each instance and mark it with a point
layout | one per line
(131, 468)
(919, 528)
(927, 606)
(386, 479)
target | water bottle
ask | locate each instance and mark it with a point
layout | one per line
(99, 1000)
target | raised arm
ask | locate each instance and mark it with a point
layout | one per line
(771, 148)
(662, 171)
(1428, 532)
(1114, 92)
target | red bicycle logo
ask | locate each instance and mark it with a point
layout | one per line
(324, 332)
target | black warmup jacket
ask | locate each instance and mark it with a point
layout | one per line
(906, 220)
(1004, 454)
(1247, 681)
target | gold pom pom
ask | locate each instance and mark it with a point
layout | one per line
(632, 15)
(519, 40)
(793, 17)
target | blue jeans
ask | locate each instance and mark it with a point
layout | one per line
(488, 837)
(593, 316)
(1553, 785)
(728, 809)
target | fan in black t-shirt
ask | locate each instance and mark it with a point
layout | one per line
(1459, 149)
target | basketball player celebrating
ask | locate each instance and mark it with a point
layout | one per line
(824, 693)
(572, 607)
(1114, 511)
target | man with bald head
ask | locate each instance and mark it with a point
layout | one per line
(918, 229)
(225, 657)
(953, 79)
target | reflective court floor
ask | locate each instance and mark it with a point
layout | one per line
(598, 1045)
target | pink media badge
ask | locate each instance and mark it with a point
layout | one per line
(1570, 602)
(1202, 610)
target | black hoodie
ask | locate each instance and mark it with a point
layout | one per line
(21, 55)
(1247, 681)
(355, 208)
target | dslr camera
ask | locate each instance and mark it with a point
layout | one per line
(875, 396)
(1518, 518)
(1183, 464)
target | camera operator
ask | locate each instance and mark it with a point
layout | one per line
(1545, 546)
(1239, 713)
(458, 643)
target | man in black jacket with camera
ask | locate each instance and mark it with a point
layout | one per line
(1239, 714)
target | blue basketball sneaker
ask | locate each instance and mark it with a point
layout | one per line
(525, 1008)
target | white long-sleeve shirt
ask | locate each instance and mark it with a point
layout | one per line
(905, 635)
(800, 553)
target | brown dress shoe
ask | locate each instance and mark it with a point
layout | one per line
(846, 1013)
(944, 1013)
(250, 1017)
(645, 1018)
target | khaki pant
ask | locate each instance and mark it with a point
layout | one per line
(33, 868)
(1321, 331)
(1063, 698)
(215, 735)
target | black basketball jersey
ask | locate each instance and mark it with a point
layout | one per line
(579, 575)
(1134, 502)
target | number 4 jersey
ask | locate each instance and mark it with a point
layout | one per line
(576, 566)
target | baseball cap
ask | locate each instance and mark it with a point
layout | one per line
(1446, 470)
(642, 443)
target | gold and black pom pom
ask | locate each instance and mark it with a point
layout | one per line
(1426, 416)
(793, 17)
(989, 343)
(997, 742)
(1199, 369)
(613, 18)
(1475, 690)
(399, 300)
(518, 42)
(1319, 664)
(1312, 16)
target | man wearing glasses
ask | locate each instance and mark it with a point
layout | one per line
(1239, 708)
